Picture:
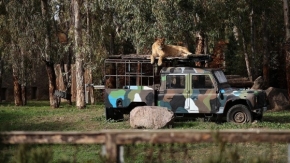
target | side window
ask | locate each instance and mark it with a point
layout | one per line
(175, 81)
(201, 82)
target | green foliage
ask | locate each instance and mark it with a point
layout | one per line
(130, 26)
(28, 154)
(231, 58)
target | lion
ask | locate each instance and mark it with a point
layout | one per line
(159, 49)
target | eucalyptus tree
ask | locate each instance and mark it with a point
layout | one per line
(143, 21)
(79, 54)
(270, 35)
(5, 40)
(46, 34)
(287, 42)
(93, 35)
(20, 14)
(133, 21)
(63, 25)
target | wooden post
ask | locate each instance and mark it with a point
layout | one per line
(111, 148)
(288, 153)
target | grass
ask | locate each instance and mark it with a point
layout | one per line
(38, 116)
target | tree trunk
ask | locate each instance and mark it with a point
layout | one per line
(248, 65)
(17, 89)
(199, 47)
(287, 44)
(90, 89)
(199, 43)
(80, 83)
(24, 94)
(286, 19)
(89, 80)
(253, 49)
(23, 77)
(65, 79)
(246, 58)
(68, 73)
(266, 51)
(1, 72)
(54, 101)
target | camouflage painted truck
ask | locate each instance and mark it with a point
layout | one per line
(188, 91)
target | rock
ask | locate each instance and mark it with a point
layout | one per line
(278, 99)
(151, 117)
(258, 83)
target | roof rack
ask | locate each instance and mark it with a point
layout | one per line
(189, 58)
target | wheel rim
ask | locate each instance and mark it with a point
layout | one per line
(240, 117)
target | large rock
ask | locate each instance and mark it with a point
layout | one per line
(258, 83)
(151, 117)
(278, 99)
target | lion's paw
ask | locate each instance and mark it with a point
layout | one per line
(159, 63)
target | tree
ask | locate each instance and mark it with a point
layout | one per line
(5, 40)
(79, 53)
(62, 23)
(54, 103)
(287, 43)
(18, 23)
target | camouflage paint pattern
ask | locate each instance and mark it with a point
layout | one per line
(129, 95)
(204, 100)
(187, 99)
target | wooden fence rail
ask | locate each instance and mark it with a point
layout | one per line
(113, 139)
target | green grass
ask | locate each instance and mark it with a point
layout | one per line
(38, 116)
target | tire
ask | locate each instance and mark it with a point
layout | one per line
(109, 114)
(239, 114)
(113, 114)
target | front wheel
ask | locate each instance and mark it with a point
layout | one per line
(239, 114)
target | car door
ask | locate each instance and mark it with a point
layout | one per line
(203, 96)
(176, 92)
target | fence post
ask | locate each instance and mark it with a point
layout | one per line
(288, 153)
(112, 148)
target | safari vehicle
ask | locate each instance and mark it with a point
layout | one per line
(188, 91)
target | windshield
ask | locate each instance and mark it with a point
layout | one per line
(220, 77)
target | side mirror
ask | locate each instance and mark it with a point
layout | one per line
(222, 94)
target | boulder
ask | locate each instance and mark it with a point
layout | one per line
(151, 117)
(278, 99)
(258, 83)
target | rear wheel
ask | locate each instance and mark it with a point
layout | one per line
(239, 114)
(114, 114)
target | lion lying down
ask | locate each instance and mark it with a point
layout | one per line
(159, 49)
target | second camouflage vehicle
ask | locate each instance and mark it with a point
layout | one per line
(186, 90)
